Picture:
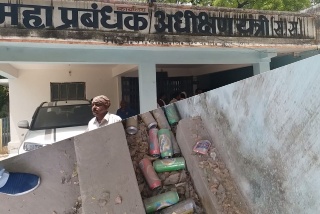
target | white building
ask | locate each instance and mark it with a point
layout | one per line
(98, 43)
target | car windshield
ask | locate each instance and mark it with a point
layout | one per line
(61, 116)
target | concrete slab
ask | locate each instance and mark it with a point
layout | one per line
(267, 131)
(106, 172)
(216, 188)
(187, 134)
(59, 189)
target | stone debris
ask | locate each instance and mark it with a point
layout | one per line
(118, 200)
(76, 209)
(70, 179)
(179, 181)
(219, 179)
(172, 179)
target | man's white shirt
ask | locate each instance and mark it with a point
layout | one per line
(107, 120)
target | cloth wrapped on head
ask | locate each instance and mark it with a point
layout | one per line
(102, 99)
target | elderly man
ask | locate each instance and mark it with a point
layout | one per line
(100, 107)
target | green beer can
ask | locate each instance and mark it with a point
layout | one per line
(184, 207)
(172, 114)
(164, 138)
(160, 201)
(170, 164)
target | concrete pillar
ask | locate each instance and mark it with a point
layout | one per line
(261, 67)
(147, 87)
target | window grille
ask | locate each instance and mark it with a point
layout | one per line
(68, 91)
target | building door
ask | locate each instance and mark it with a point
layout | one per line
(165, 84)
(130, 92)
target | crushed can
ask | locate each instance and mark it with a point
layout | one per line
(160, 201)
(172, 114)
(154, 147)
(170, 164)
(164, 138)
(161, 119)
(202, 147)
(175, 145)
(183, 207)
(132, 125)
(149, 173)
(148, 119)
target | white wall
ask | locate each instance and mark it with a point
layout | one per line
(33, 87)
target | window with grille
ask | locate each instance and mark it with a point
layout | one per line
(68, 91)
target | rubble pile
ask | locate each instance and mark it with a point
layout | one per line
(159, 181)
(221, 184)
(172, 182)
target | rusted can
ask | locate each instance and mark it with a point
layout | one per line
(183, 207)
(170, 164)
(172, 114)
(154, 147)
(160, 201)
(149, 173)
(132, 125)
(148, 119)
(164, 138)
(161, 119)
(175, 145)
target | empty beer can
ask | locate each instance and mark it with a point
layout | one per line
(154, 147)
(161, 119)
(172, 114)
(150, 175)
(170, 164)
(183, 207)
(160, 201)
(164, 138)
(132, 125)
(175, 145)
(148, 119)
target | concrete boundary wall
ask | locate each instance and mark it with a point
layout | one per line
(267, 131)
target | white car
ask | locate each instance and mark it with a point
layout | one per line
(55, 121)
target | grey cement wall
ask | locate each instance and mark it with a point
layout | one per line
(266, 129)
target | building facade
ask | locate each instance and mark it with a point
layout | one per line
(99, 44)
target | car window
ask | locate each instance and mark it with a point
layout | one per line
(61, 116)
